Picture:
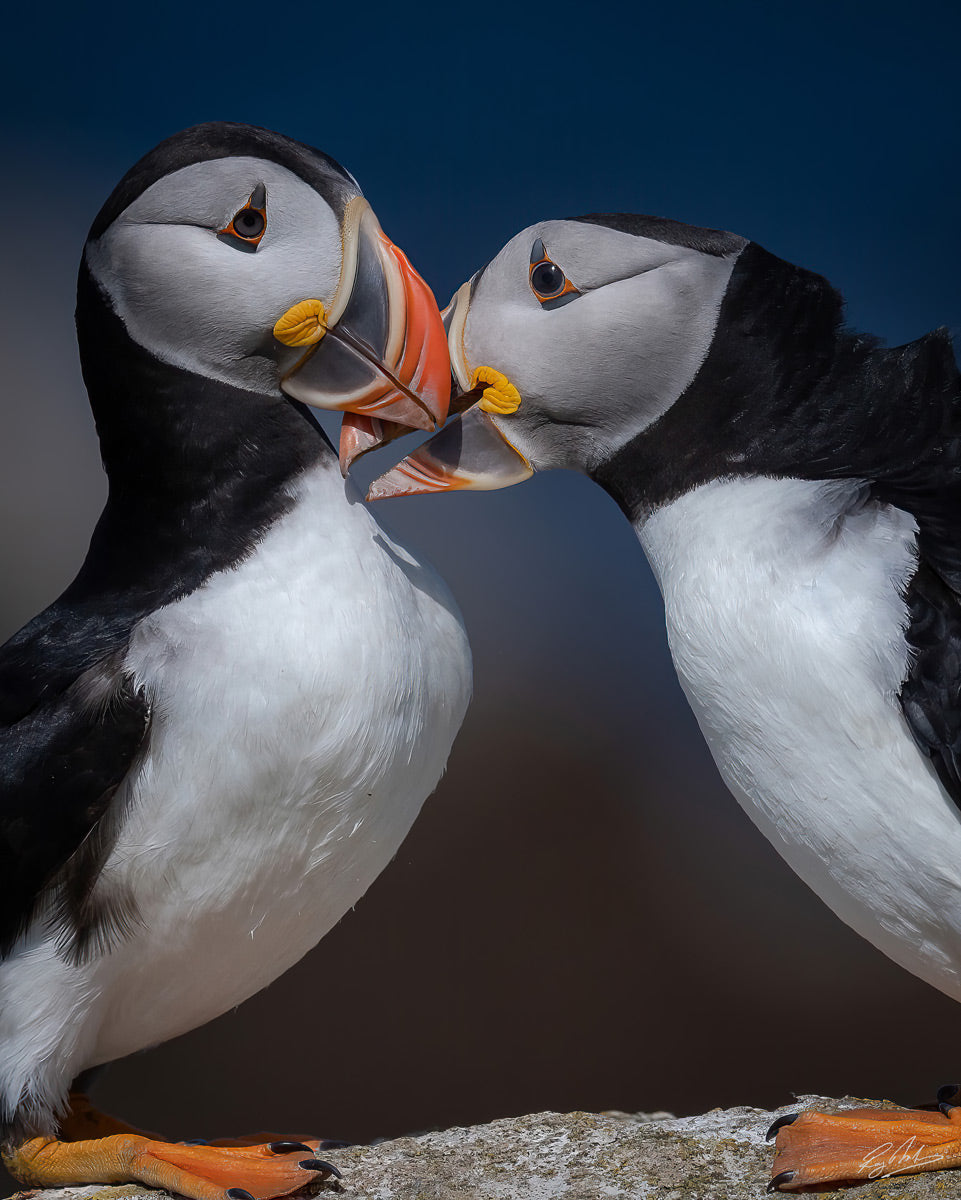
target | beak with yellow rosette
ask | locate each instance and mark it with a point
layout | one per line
(378, 352)
(474, 451)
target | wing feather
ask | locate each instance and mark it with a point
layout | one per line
(931, 694)
(73, 728)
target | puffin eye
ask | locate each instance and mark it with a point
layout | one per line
(548, 282)
(249, 224)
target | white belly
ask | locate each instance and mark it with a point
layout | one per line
(786, 623)
(304, 705)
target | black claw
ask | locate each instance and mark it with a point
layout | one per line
(239, 1194)
(288, 1148)
(334, 1144)
(947, 1109)
(787, 1119)
(318, 1164)
(784, 1177)
(947, 1092)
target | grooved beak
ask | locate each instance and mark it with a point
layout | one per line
(381, 353)
(471, 453)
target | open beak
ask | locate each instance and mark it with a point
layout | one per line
(379, 353)
(472, 452)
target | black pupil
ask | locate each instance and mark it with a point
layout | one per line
(249, 223)
(547, 279)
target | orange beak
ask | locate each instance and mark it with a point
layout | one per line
(383, 359)
(471, 452)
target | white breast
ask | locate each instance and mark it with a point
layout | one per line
(304, 705)
(786, 620)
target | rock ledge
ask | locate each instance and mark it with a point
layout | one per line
(720, 1155)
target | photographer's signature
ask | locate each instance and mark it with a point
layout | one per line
(907, 1157)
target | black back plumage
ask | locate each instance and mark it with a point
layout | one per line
(197, 471)
(786, 391)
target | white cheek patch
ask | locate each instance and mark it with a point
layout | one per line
(645, 338)
(615, 359)
(200, 303)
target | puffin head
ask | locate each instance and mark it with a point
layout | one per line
(578, 335)
(239, 255)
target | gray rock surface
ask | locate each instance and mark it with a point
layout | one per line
(720, 1155)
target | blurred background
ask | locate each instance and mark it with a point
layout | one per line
(582, 917)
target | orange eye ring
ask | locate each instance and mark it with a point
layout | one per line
(547, 281)
(249, 224)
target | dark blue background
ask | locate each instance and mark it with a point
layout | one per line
(582, 917)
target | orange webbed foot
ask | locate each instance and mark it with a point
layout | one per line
(258, 1172)
(862, 1143)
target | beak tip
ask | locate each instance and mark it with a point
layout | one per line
(378, 490)
(425, 421)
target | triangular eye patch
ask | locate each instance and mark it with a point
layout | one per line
(547, 281)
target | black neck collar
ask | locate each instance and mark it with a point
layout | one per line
(197, 469)
(786, 391)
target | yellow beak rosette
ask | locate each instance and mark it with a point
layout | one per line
(303, 324)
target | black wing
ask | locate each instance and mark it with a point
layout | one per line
(931, 694)
(927, 484)
(71, 726)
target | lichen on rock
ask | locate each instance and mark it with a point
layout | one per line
(719, 1155)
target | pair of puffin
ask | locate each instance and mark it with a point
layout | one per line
(220, 733)
(796, 488)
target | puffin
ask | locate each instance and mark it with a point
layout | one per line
(220, 733)
(796, 488)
